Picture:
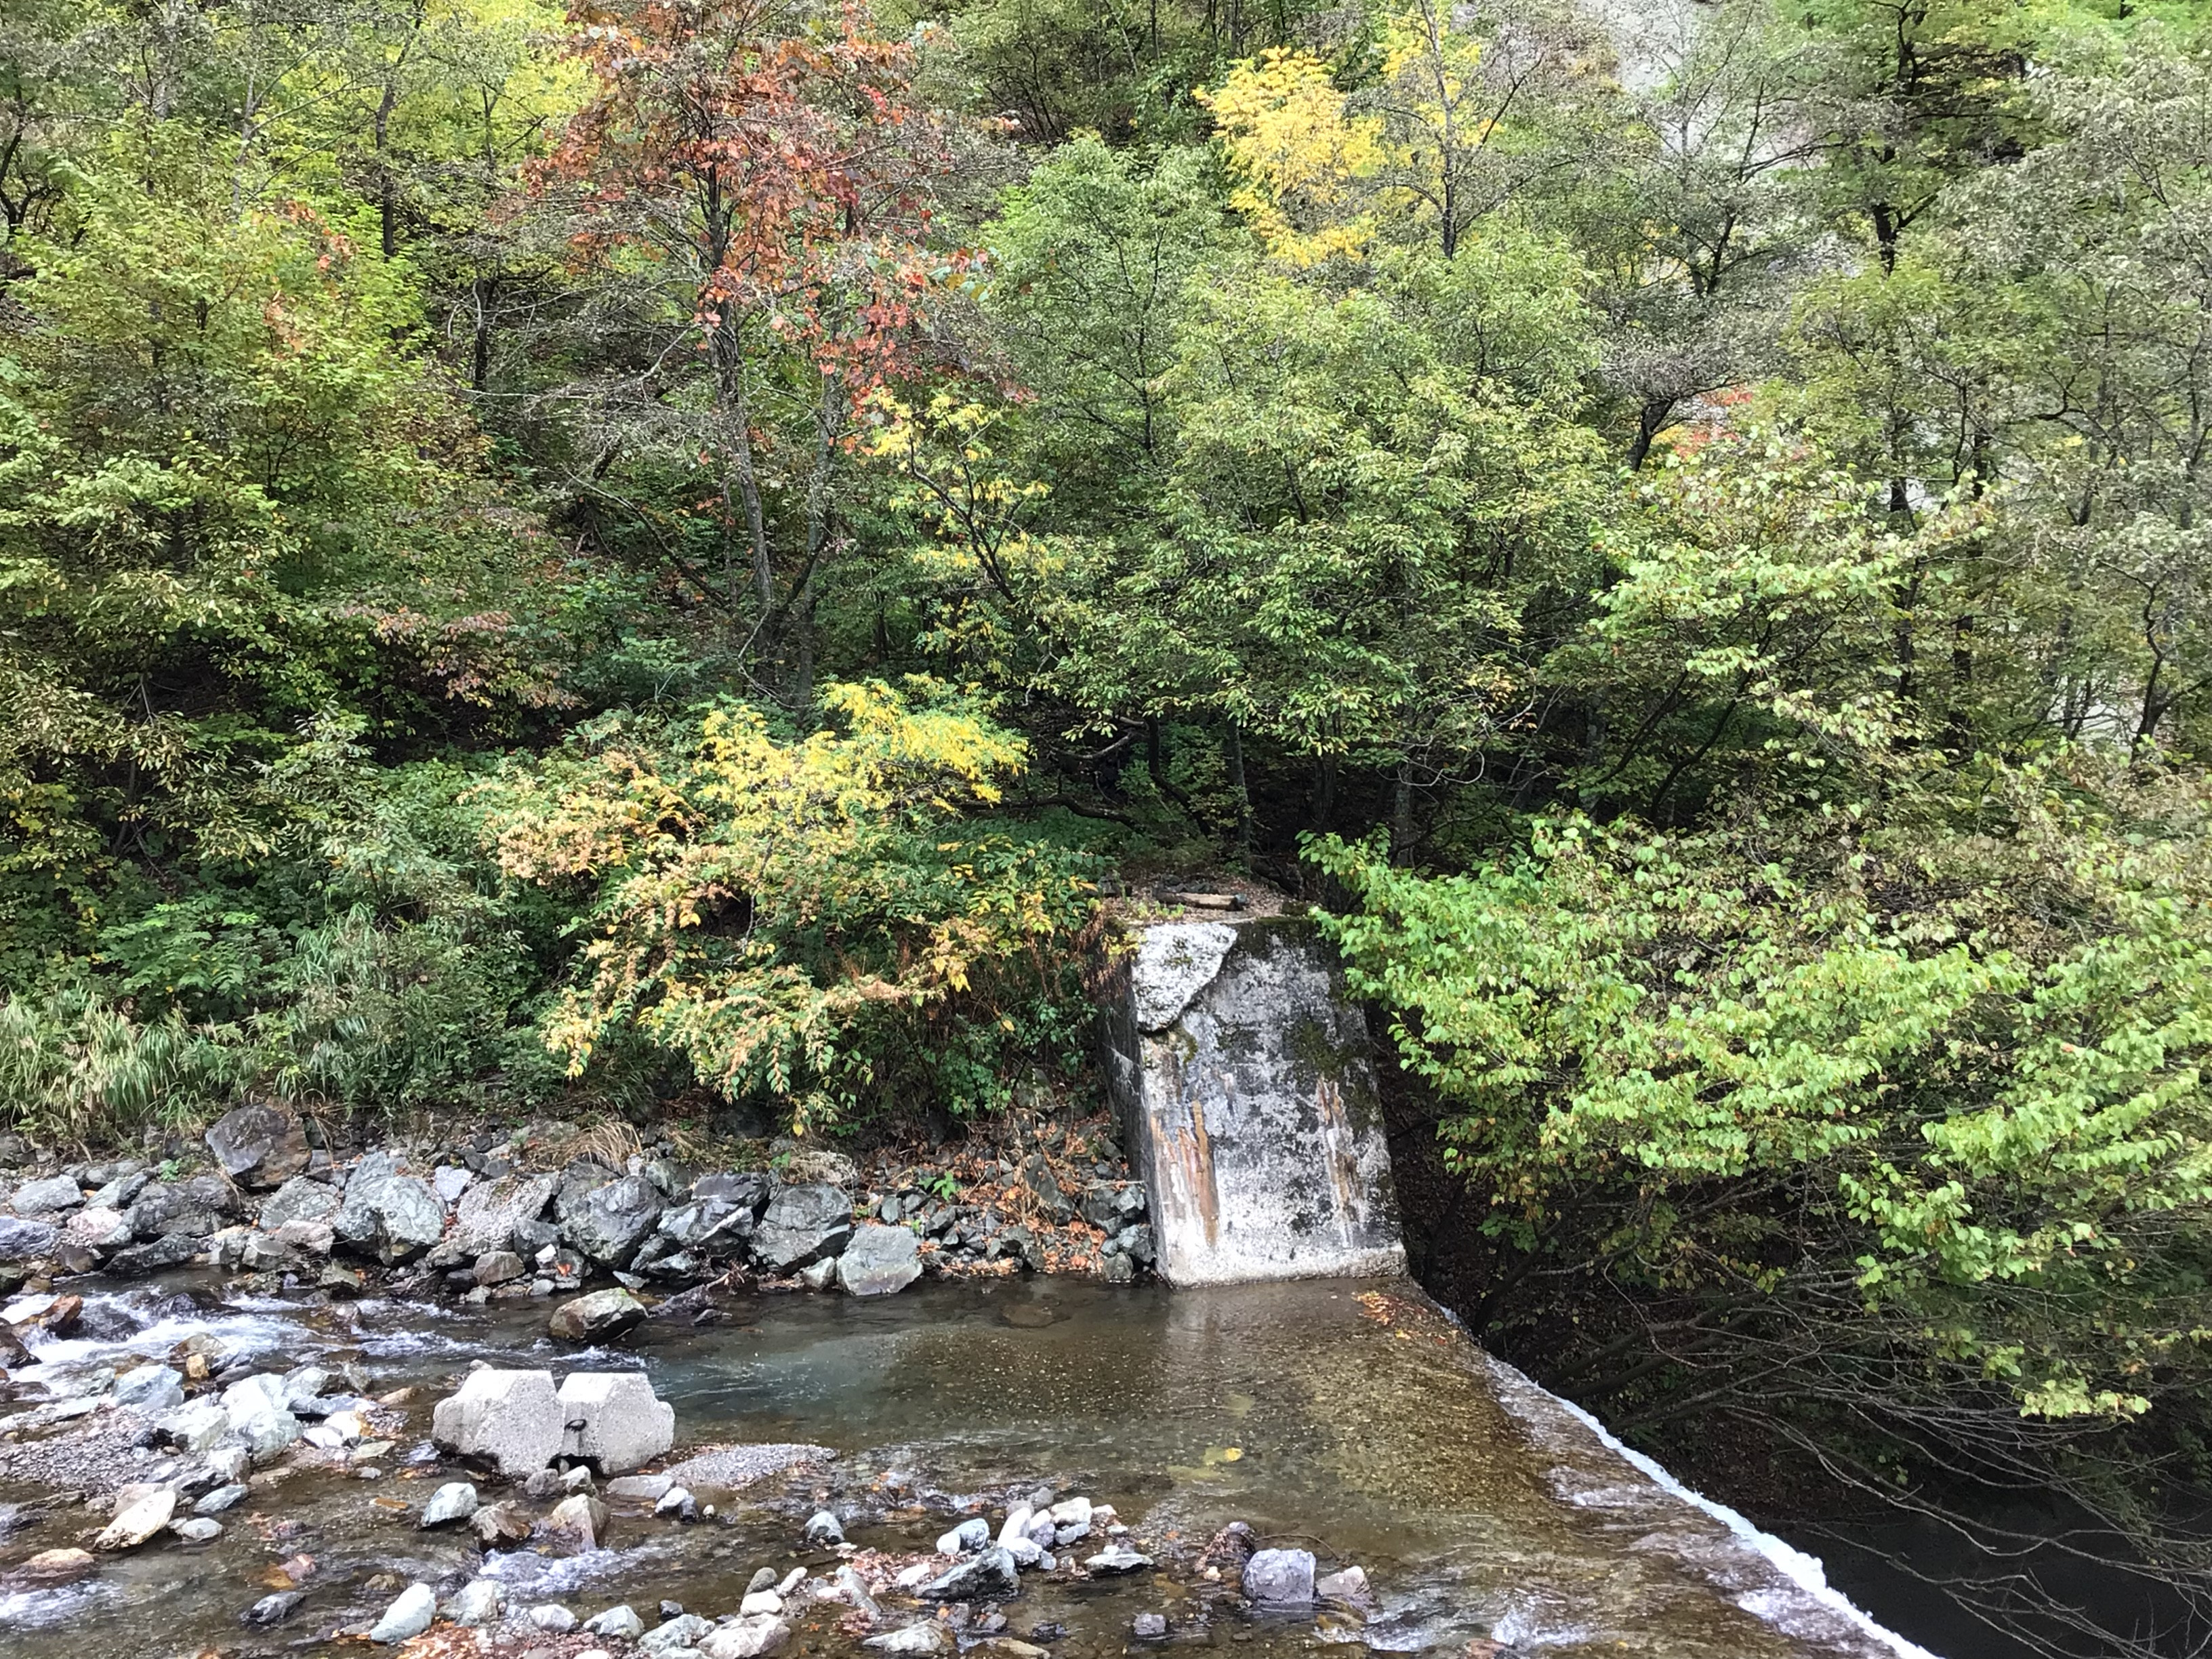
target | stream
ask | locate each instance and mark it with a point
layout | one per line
(1351, 1420)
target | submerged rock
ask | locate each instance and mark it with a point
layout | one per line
(1280, 1577)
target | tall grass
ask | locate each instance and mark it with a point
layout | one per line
(75, 1067)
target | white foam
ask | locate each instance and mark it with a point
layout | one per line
(1804, 1571)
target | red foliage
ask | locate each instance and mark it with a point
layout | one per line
(784, 169)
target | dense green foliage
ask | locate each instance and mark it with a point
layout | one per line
(657, 549)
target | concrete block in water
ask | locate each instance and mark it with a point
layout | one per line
(1247, 1099)
(612, 1419)
(511, 1419)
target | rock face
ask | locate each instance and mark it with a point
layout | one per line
(259, 1146)
(803, 1225)
(510, 1420)
(389, 1215)
(1249, 1102)
(880, 1261)
(612, 1420)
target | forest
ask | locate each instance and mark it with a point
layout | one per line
(668, 550)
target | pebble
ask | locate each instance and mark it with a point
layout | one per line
(823, 1528)
(198, 1529)
(1150, 1624)
(220, 1498)
(552, 1616)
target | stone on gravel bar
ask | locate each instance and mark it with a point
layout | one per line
(141, 1511)
(476, 1603)
(1116, 1559)
(408, 1616)
(676, 1637)
(618, 1621)
(970, 1534)
(989, 1573)
(259, 1146)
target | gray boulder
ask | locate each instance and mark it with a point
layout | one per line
(676, 1638)
(714, 1225)
(25, 1241)
(880, 1261)
(48, 1197)
(596, 1317)
(622, 1622)
(259, 1146)
(476, 1603)
(611, 1221)
(1280, 1577)
(489, 1214)
(300, 1199)
(802, 1225)
(749, 1190)
(510, 1420)
(386, 1214)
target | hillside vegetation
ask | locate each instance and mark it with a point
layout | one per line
(664, 551)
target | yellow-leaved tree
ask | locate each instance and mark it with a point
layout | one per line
(814, 922)
(1417, 153)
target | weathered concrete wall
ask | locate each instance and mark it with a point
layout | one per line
(1248, 1102)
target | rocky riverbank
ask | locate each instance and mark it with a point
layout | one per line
(606, 1228)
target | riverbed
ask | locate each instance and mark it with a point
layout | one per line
(1348, 1418)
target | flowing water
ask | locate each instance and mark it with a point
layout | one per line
(1350, 1419)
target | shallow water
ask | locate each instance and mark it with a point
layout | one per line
(1350, 1419)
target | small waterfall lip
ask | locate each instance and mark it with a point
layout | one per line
(1530, 1402)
